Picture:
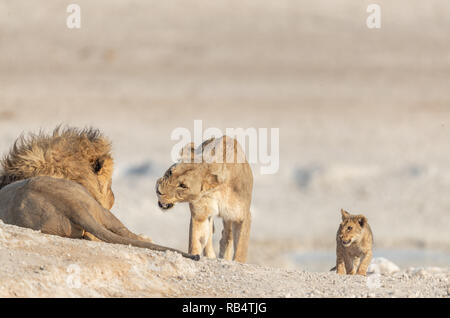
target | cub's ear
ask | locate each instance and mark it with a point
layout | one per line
(187, 152)
(344, 214)
(362, 220)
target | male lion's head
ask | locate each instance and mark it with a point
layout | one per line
(351, 228)
(83, 156)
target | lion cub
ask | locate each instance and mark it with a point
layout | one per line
(354, 244)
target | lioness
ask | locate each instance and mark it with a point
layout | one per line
(354, 245)
(215, 179)
(61, 184)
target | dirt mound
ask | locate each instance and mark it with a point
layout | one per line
(33, 264)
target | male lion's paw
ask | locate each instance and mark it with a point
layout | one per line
(145, 238)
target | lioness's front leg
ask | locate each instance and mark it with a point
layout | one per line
(209, 248)
(198, 235)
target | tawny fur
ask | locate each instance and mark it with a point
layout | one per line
(354, 242)
(220, 184)
(60, 184)
(68, 153)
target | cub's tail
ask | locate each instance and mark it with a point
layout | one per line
(333, 269)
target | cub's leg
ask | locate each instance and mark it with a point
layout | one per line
(198, 235)
(340, 263)
(241, 235)
(349, 265)
(209, 249)
(226, 242)
(365, 262)
(355, 265)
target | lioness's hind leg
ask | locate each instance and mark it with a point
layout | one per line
(226, 242)
(241, 234)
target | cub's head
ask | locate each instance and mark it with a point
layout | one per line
(351, 228)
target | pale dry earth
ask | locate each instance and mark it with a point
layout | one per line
(364, 115)
(39, 265)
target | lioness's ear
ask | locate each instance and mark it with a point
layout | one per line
(207, 142)
(362, 220)
(209, 182)
(187, 152)
(344, 214)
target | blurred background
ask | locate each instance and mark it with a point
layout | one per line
(364, 114)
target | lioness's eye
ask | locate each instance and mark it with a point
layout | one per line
(182, 185)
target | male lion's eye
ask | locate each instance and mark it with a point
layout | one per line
(182, 185)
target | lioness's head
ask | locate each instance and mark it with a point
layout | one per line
(79, 155)
(351, 228)
(187, 181)
(184, 182)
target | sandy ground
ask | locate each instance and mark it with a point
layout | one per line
(364, 115)
(50, 266)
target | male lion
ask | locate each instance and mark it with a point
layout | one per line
(354, 245)
(60, 184)
(215, 179)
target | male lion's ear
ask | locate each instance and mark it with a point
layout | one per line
(187, 152)
(97, 165)
(344, 214)
(362, 220)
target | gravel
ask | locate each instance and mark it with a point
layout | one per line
(33, 264)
